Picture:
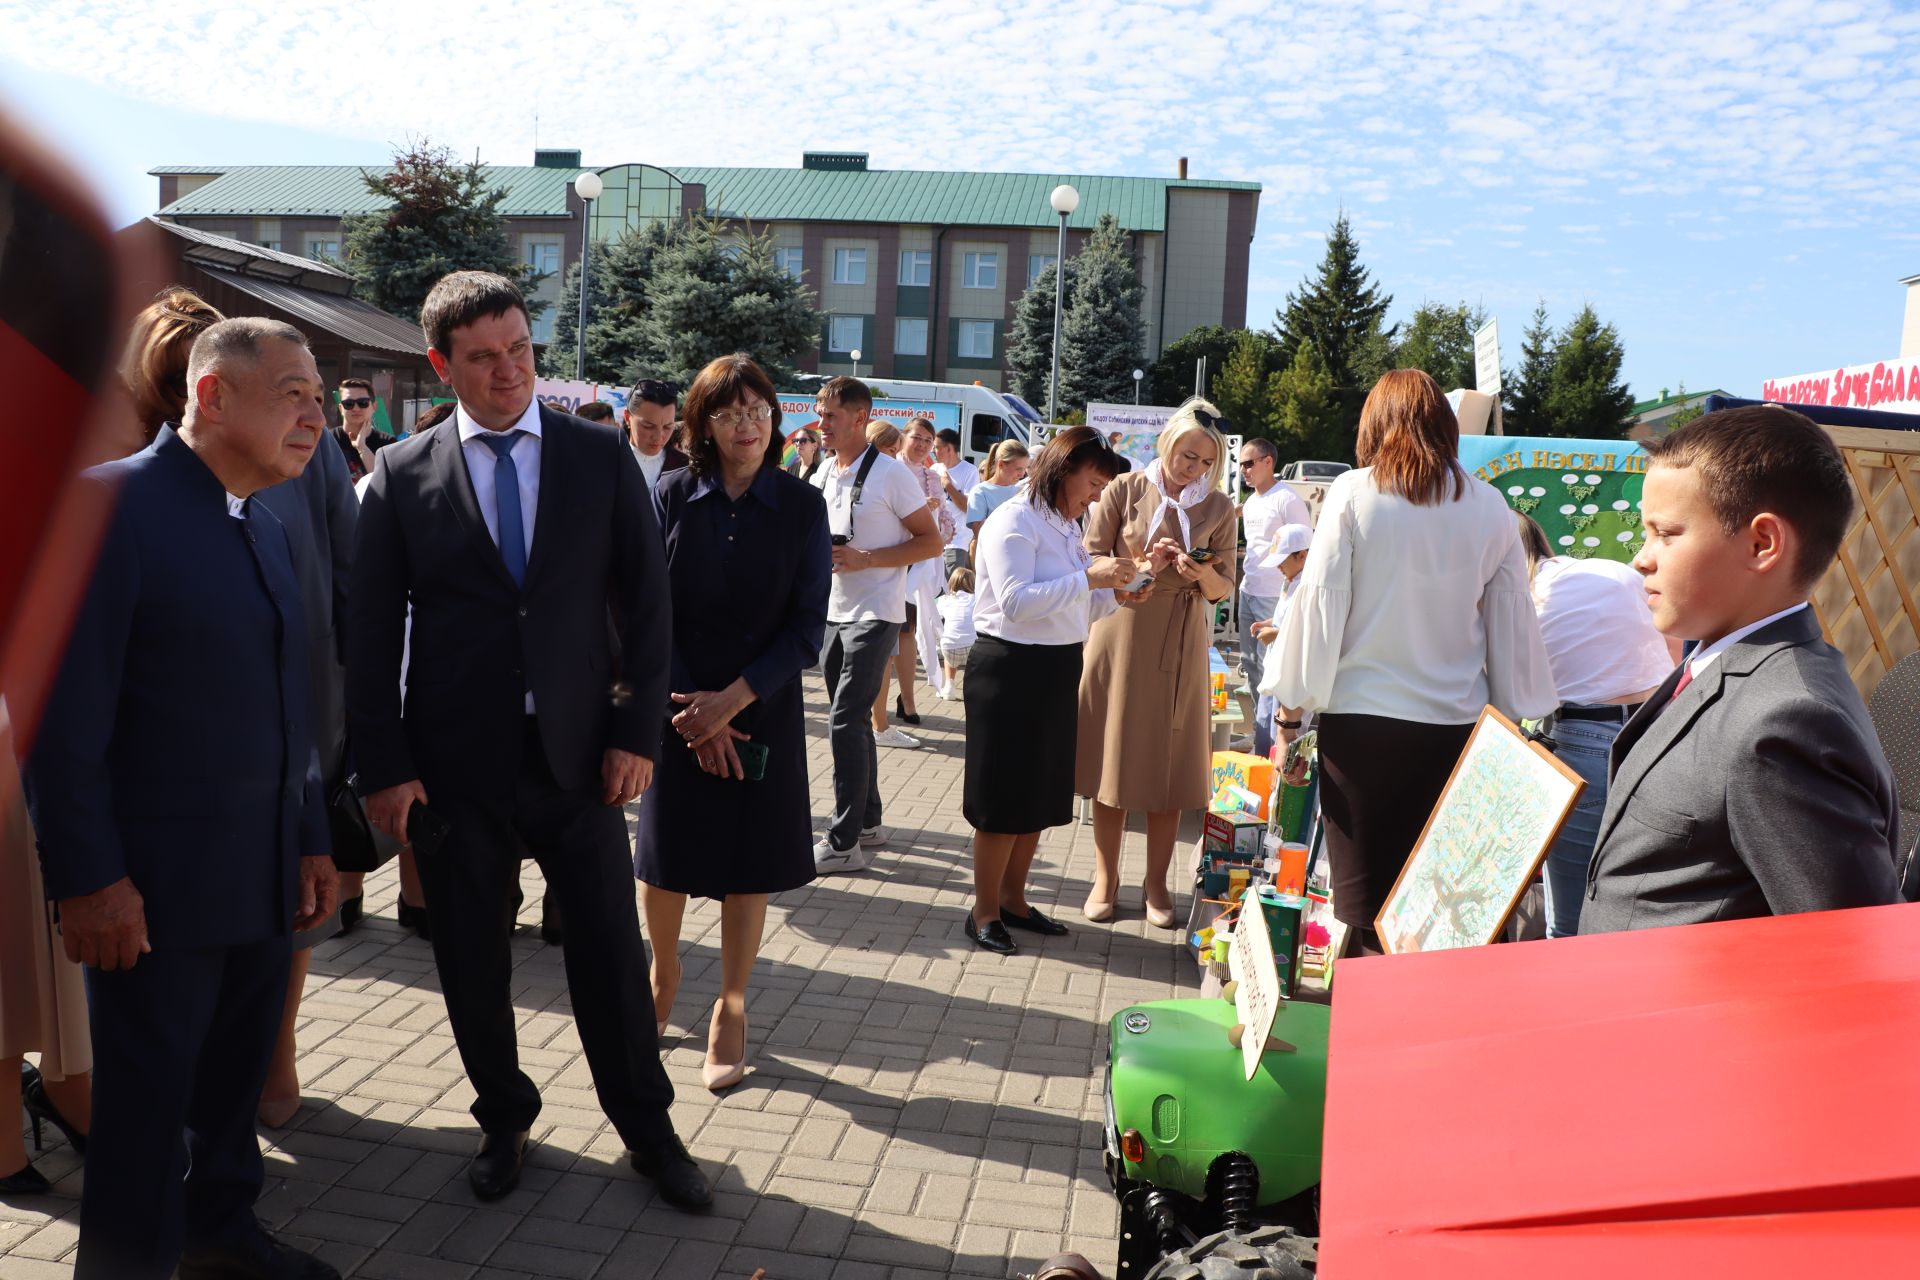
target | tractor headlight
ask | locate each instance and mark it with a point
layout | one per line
(1113, 1123)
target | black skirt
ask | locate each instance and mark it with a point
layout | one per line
(1023, 711)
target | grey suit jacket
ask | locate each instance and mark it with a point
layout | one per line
(1761, 790)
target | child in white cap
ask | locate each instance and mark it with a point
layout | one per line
(1289, 556)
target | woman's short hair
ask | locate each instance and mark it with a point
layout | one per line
(433, 416)
(155, 365)
(1411, 439)
(1533, 540)
(884, 435)
(959, 580)
(1066, 454)
(722, 384)
(1195, 415)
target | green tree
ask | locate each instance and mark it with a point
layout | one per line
(1342, 315)
(1439, 339)
(707, 296)
(440, 216)
(1305, 417)
(1101, 334)
(1585, 397)
(1170, 379)
(1241, 390)
(617, 298)
(1683, 415)
(1524, 390)
(1030, 341)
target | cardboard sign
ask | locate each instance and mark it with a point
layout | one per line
(1584, 493)
(1258, 997)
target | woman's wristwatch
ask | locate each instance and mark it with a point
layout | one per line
(1288, 724)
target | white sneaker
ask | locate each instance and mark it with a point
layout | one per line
(871, 838)
(894, 738)
(829, 861)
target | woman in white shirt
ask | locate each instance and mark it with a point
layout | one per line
(1607, 659)
(1038, 591)
(1411, 616)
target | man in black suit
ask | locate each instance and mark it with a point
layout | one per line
(512, 530)
(652, 418)
(176, 797)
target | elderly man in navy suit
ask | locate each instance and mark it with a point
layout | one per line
(177, 801)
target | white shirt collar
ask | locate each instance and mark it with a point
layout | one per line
(236, 507)
(1705, 656)
(529, 422)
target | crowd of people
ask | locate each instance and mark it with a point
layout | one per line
(487, 638)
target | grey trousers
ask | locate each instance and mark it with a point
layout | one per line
(855, 663)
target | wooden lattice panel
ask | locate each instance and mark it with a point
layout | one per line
(1866, 602)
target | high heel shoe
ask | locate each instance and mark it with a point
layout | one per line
(719, 1076)
(900, 711)
(33, 1096)
(28, 1181)
(1097, 911)
(351, 911)
(416, 919)
(1160, 917)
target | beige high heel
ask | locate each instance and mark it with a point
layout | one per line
(1160, 917)
(720, 1076)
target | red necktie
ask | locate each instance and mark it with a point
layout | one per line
(1686, 678)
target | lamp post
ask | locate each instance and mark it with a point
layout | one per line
(1064, 200)
(588, 187)
(1137, 375)
(855, 353)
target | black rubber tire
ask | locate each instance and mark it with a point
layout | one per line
(1265, 1253)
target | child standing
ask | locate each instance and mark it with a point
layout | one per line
(956, 629)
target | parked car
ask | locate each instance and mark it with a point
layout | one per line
(1311, 471)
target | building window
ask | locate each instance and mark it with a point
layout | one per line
(542, 253)
(916, 266)
(982, 271)
(1036, 263)
(324, 247)
(976, 339)
(843, 332)
(849, 266)
(788, 260)
(542, 330)
(910, 336)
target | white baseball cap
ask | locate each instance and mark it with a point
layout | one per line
(1289, 539)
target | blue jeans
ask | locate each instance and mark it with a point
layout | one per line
(1581, 745)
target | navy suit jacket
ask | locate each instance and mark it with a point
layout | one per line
(480, 643)
(175, 749)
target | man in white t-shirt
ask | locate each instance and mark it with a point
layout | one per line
(958, 477)
(880, 524)
(1272, 507)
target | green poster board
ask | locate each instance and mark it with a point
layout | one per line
(1584, 493)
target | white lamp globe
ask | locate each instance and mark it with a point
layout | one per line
(589, 186)
(855, 353)
(1064, 199)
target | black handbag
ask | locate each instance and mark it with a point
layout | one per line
(357, 847)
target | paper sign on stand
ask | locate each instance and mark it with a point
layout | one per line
(1256, 997)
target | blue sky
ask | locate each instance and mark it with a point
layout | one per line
(1732, 184)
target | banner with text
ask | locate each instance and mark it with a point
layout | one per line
(1889, 385)
(1584, 493)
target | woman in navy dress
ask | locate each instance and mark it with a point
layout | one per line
(729, 816)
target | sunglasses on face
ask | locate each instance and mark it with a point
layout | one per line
(358, 402)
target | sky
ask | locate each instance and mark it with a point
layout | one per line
(1733, 185)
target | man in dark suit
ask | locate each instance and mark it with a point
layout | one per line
(652, 419)
(179, 814)
(1751, 783)
(512, 530)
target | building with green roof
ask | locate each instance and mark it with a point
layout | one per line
(918, 271)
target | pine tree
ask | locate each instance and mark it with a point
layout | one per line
(1030, 340)
(1585, 397)
(1439, 339)
(1100, 337)
(1170, 379)
(441, 216)
(1525, 389)
(1305, 417)
(1339, 311)
(1241, 390)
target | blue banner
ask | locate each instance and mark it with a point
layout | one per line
(1584, 493)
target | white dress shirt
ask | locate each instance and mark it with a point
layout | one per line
(1412, 612)
(236, 507)
(1265, 515)
(1707, 654)
(1598, 630)
(1030, 577)
(650, 467)
(481, 462)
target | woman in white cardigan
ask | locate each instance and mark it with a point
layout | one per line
(1411, 616)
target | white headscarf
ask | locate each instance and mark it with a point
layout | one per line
(1190, 495)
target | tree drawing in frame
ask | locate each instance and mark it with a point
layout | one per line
(1485, 839)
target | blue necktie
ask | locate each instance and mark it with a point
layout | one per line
(506, 498)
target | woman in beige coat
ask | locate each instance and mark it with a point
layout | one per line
(1144, 706)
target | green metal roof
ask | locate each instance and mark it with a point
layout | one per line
(1661, 402)
(761, 195)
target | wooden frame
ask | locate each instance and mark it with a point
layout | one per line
(1417, 902)
(1866, 602)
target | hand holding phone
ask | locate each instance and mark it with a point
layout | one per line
(427, 831)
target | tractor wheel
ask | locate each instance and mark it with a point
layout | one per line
(1264, 1253)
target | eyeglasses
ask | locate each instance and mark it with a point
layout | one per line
(728, 419)
(358, 402)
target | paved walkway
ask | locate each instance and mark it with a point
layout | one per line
(917, 1107)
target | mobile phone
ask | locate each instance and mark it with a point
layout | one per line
(1140, 583)
(1199, 555)
(427, 831)
(753, 759)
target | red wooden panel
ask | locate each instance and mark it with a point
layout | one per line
(1665, 1100)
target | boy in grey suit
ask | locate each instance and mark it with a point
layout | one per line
(1751, 783)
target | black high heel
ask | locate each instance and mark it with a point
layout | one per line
(351, 911)
(29, 1181)
(416, 919)
(33, 1095)
(900, 711)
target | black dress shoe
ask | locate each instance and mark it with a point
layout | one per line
(992, 938)
(674, 1173)
(496, 1166)
(351, 911)
(258, 1257)
(416, 919)
(28, 1181)
(553, 924)
(900, 712)
(1034, 922)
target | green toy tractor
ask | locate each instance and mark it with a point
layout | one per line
(1207, 1164)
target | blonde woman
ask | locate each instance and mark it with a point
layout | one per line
(1144, 705)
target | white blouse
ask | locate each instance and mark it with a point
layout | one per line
(1598, 629)
(1030, 577)
(1412, 612)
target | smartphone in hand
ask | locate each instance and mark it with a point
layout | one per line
(427, 831)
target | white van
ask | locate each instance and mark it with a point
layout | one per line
(986, 416)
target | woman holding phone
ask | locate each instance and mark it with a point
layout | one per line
(750, 564)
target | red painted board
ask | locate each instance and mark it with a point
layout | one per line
(1665, 1099)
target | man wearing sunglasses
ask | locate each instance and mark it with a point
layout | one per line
(1271, 507)
(356, 435)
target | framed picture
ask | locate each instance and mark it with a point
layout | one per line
(1495, 821)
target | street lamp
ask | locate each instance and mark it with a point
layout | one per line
(588, 187)
(855, 353)
(1137, 375)
(1064, 200)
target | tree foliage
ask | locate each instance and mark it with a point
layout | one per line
(1525, 388)
(1585, 397)
(1438, 339)
(1305, 417)
(616, 296)
(441, 216)
(1341, 314)
(1170, 379)
(1101, 334)
(1241, 391)
(1030, 341)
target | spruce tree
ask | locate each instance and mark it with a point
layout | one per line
(617, 297)
(1439, 339)
(1341, 315)
(1101, 336)
(1030, 340)
(1170, 379)
(1525, 389)
(770, 314)
(441, 216)
(1585, 397)
(1241, 390)
(708, 297)
(1305, 417)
